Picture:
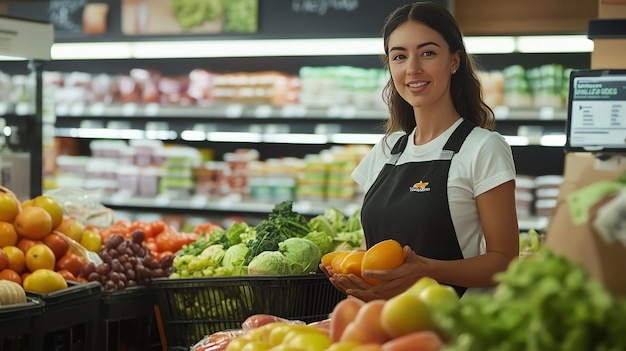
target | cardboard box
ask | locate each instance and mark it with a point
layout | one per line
(580, 242)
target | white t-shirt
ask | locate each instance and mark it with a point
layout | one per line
(484, 161)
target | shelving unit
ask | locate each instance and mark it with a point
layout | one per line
(280, 131)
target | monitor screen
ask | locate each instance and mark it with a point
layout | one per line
(596, 114)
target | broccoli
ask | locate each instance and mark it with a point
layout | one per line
(268, 235)
(282, 223)
(290, 221)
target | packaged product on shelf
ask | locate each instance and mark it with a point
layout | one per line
(146, 151)
(178, 164)
(128, 179)
(311, 182)
(201, 85)
(524, 195)
(269, 87)
(173, 91)
(493, 87)
(517, 91)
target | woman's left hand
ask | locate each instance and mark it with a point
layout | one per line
(396, 280)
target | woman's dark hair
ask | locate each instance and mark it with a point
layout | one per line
(465, 87)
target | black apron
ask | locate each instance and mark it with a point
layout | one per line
(409, 203)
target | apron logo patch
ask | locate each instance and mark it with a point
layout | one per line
(420, 187)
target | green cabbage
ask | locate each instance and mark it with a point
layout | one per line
(323, 241)
(270, 263)
(214, 252)
(302, 255)
(235, 256)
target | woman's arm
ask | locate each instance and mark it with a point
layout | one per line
(498, 215)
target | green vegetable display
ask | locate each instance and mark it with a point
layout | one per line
(285, 232)
(544, 302)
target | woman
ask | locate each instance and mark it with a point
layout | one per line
(441, 181)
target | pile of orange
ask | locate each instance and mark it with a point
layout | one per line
(29, 242)
(386, 254)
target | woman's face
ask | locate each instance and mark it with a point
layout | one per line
(420, 64)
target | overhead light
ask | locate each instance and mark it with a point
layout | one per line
(235, 137)
(91, 51)
(12, 58)
(302, 47)
(553, 140)
(295, 138)
(355, 138)
(490, 45)
(516, 140)
(554, 43)
(258, 48)
(193, 135)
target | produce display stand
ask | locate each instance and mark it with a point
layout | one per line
(70, 317)
(191, 308)
(127, 319)
(20, 325)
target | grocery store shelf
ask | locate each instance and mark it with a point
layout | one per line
(198, 204)
(258, 111)
(215, 110)
(234, 205)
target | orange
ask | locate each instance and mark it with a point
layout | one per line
(328, 258)
(4, 260)
(52, 206)
(385, 254)
(335, 263)
(351, 264)
(25, 244)
(8, 235)
(9, 274)
(40, 256)
(33, 223)
(44, 281)
(72, 228)
(9, 207)
(17, 260)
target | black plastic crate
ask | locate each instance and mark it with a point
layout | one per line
(191, 308)
(20, 324)
(128, 320)
(70, 317)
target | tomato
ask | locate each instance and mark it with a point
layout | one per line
(157, 227)
(141, 225)
(71, 262)
(67, 275)
(58, 243)
(151, 245)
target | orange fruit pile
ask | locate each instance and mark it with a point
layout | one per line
(30, 241)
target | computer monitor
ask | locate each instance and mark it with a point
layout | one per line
(596, 112)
